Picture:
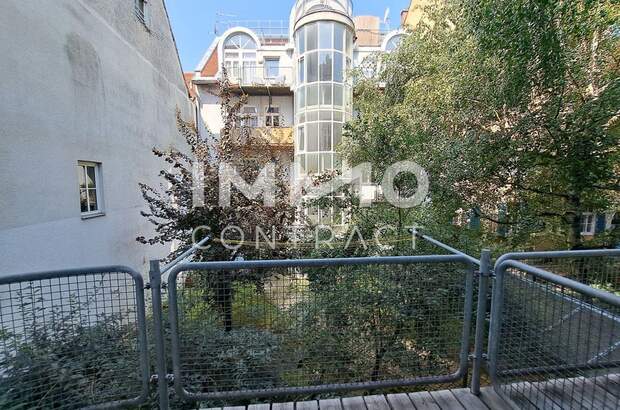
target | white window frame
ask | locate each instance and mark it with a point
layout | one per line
(142, 13)
(265, 67)
(81, 169)
(249, 120)
(270, 116)
(240, 61)
(588, 223)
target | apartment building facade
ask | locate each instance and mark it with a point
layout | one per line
(89, 88)
(296, 78)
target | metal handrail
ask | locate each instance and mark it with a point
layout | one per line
(557, 254)
(185, 255)
(448, 248)
(578, 287)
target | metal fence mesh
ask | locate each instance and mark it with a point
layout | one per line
(292, 327)
(558, 348)
(69, 341)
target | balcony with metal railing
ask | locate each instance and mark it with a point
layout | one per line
(261, 79)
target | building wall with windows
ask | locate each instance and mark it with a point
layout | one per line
(302, 67)
(89, 88)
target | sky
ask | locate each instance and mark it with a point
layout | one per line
(193, 21)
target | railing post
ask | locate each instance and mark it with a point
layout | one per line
(481, 311)
(158, 331)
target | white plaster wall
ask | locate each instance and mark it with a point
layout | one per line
(82, 81)
(212, 115)
(284, 102)
(210, 110)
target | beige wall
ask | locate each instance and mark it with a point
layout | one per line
(415, 13)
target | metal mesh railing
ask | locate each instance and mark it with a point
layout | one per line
(554, 343)
(72, 339)
(246, 330)
(600, 272)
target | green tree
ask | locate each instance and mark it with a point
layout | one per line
(505, 103)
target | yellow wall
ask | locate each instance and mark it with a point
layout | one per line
(415, 13)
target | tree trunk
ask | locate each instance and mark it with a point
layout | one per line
(224, 296)
(575, 240)
(379, 353)
(574, 234)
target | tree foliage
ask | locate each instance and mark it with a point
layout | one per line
(510, 104)
(174, 212)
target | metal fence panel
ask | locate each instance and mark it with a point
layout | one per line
(554, 341)
(73, 339)
(267, 328)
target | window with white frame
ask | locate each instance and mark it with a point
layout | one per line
(588, 223)
(272, 116)
(240, 56)
(89, 180)
(141, 11)
(272, 67)
(249, 116)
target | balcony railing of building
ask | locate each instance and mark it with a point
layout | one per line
(268, 31)
(245, 331)
(260, 75)
(276, 136)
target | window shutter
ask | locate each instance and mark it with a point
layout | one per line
(600, 223)
(474, 219)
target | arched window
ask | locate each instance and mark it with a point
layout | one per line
(240, 41)
(240, 56)
(394, 42)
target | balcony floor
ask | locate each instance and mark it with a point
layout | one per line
(601, 392)
(458, 399)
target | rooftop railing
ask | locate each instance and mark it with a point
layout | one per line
(266, 30)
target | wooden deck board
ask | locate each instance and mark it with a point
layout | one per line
(283, 406)
(330, 404)
(446, 400)
(259, 406)
(423, 401)
(353, 403)
(602, 392)
(400, 401)
(376, 402)
(468, 400)
(308, 405)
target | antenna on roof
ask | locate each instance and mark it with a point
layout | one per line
(386, 17)
(218, 21)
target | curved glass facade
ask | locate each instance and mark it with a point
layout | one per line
(323, 94)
